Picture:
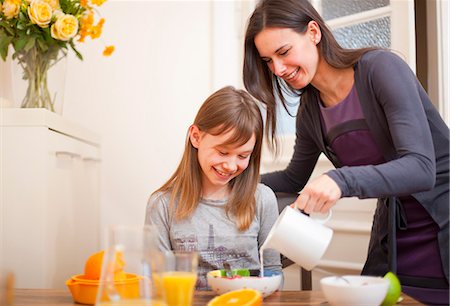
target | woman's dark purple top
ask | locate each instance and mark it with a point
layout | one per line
(418, 254)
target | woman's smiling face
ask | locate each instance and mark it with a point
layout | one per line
(289, 55)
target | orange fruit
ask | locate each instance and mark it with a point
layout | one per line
(93, 266)
(242, 297)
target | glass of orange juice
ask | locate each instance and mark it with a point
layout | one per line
(179, 277)
(126, 274)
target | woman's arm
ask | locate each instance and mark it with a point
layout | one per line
(302, 163)
(397, 91)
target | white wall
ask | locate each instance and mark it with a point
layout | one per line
(142, 99)
(170, 55)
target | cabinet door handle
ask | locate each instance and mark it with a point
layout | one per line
(91, 159)
(67, 154)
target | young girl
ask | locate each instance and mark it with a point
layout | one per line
(213, 203)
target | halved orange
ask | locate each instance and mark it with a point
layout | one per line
(93, 266)
(242, 297)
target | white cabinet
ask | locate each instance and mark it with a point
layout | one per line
(50, 189)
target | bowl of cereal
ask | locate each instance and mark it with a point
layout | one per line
(221, 283)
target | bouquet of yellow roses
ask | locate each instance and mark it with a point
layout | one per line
(41, 33)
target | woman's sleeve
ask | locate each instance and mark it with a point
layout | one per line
(268, 214)
(398, 93)
(157, 214)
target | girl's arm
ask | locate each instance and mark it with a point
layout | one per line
(157, 213)
(267, 213)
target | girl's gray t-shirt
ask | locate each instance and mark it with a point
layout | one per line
(214, 235)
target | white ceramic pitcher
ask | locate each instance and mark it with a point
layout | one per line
(302, 239)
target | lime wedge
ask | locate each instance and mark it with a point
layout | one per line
(394, 290)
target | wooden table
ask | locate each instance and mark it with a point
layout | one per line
(61, 297)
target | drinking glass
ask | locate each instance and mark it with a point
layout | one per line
(126, 277)
(178, 276)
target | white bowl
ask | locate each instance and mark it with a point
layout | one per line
(266, 285)
(349, 290)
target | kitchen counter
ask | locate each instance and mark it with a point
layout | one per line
(53, 297)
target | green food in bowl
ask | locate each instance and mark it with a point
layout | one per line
(234, 272)
(244, 278)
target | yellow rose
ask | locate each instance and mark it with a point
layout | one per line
(11, 8)
(57, 13)
(65, 27)
(40, 13)
(53, 3)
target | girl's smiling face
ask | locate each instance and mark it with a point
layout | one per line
(220, 163)
(292, 56)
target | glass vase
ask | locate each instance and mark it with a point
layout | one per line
(34, 79)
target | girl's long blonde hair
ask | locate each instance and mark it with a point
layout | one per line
(228, 109)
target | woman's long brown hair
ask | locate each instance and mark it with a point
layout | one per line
(228, 109)
(260, 82)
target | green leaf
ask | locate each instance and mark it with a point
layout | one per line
(78, 54)
(30, 43)
(46, 34)
(23, 17)
(71, 7)
(21, 25)
(5, 25)
(5, 40)
(42, 45)
(20, 43)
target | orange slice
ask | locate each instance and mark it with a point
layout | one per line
(242, 297)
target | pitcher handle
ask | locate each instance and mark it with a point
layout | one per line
(319, 220)
(322, 220)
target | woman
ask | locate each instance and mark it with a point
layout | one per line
(367, 112)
